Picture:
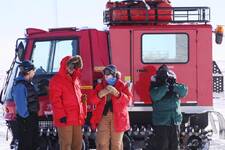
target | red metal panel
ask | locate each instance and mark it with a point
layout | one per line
(120, 51)
(100, 52)
(186, 73)
(204, 66)
(85, 52)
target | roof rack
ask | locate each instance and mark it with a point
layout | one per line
(160, 15)
(63, 29)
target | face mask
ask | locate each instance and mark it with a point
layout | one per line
(111, 81)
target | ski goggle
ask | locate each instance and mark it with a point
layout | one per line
(107, 72)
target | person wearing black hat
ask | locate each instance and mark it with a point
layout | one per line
(111, 98)
(166, 117)
(27, 107)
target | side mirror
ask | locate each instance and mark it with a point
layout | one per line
(1, 102)
(219, 34)
(20, 50)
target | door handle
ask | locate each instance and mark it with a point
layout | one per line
(142, 70)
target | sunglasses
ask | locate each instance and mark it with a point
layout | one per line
(107, 72)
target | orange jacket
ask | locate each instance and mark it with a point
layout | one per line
(65, 97)
(120, 106)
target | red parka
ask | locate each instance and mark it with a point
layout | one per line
(120, 106)
(65, 97)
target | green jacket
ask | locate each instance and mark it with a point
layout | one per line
(166, 104)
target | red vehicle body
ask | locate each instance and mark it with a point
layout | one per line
(137, 47)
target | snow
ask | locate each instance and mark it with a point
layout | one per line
(4, 144)
(217, 143)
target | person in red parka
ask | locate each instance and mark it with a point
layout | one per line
(110, 117)
(69, 109)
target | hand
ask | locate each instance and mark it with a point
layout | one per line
(112, 90)
(63, 119)
(75, 62)
(103, 93)
(84, 98)
(170, 87)
(171, 80)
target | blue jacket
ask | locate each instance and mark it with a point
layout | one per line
(19, 94)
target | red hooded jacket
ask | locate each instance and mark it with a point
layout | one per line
(65, 97)
(120, 106)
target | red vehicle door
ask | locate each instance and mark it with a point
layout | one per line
(174, 47)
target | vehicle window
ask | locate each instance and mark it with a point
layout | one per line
(40, 56)
(164, 48)
(47, 55)
(64, 48)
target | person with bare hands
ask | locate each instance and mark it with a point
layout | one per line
(111, 98)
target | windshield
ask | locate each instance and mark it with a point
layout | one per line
(47, 55)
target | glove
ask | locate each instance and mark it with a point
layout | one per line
(170, 87)
(84, 98)
(63, 119)
(103, 93)
(78, 62)
(75, 62)
(171, 80)
(113, 90)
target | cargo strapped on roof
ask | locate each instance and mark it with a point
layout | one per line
(124, 15)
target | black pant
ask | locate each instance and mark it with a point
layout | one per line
(28, 132)
(14, 130)
(166, 137)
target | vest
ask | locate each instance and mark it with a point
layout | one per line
(32, 96)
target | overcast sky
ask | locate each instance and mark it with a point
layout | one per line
(17, 15)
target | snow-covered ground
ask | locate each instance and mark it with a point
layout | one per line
(4, 144)
(217, 143)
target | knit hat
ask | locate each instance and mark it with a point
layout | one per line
(26, 66)
(110, 69)
(162, 72)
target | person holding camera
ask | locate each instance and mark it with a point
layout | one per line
(27, 107)
(111, 118)
(68, 104)
(166, 117)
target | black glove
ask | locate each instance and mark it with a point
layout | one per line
(171, 80)
(63, 119)
(171, 88)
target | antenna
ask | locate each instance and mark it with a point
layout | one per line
(56, 12)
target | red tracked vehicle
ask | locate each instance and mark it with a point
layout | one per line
(141, 36)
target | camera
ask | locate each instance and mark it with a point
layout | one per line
(161, 76)
(164, 76)
(170, 80)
